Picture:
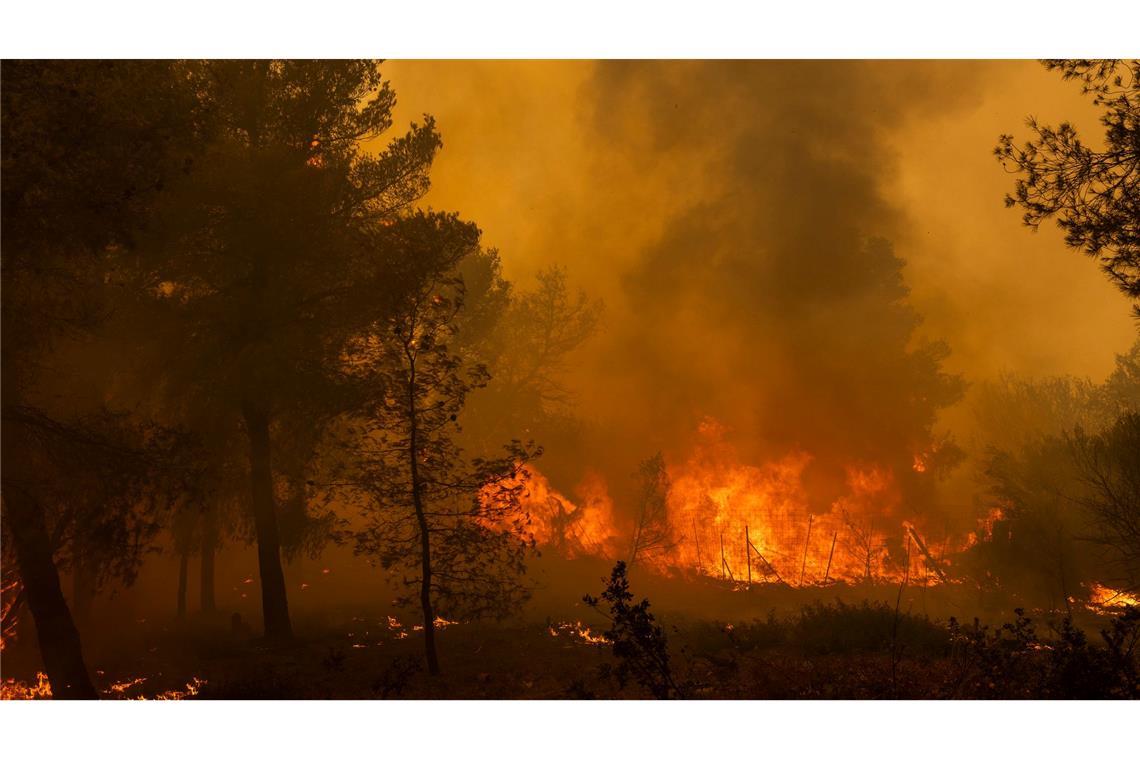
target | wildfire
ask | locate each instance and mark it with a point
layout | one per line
(582, 528)
(397, 628)
(119, 688)
(986, 525)
(191, 689)
(748, 523)
(10, 593)
(440, 623)
(578, 631)
(10, 688)
(1101, 597)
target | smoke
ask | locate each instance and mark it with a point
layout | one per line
(781, 245)
(775, 302)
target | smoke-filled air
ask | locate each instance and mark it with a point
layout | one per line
(571, 379)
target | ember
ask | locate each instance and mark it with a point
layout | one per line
(577, 631)
(10, 688)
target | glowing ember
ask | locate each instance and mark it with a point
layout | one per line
(578, 631)
(439, 623)
(9, 595)
(193, 686)
(120, 687)
(10, 688)
(397, 628)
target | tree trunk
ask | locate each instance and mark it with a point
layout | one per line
(209, 547)
(425, 592)
(425, 535)
(183, 572)
(274, 602)
(58, 637)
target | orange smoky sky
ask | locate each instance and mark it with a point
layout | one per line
(528, 156)
(635, 175)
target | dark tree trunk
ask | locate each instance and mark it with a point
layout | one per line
(274, 602)
(183, 572)
(425, 591)
(58, 637)
(209, 547)
(425, 535)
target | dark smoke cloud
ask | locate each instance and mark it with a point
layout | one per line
(775, 303)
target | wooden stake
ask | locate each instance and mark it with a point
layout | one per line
(697, 541)
(748, 555)
(807, 540)
(827, 574)
(906, 576)
(930, 561)
(870, 540)
(767, 564)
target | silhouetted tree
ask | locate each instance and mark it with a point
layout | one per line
(86, 146)
(651, 525)
(1094, 195)
(526, 338)
(1036, 487)
(453, 525)
(540, 329)
(1122, 388)
(266, 256)
(1108, 463)
(1060, 460)
(861, 542)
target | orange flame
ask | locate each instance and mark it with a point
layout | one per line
(1103, 596)
(750, 523)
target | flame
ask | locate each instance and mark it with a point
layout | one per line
(121, 686)
(577, 630)
(985, 529)
(10, 688)
(191, 689)
(9, 595)
(1103, 596)
(439, 624)
(756, 523)
(750, 523)
(581, 528)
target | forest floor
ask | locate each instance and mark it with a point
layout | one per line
(835, 649)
